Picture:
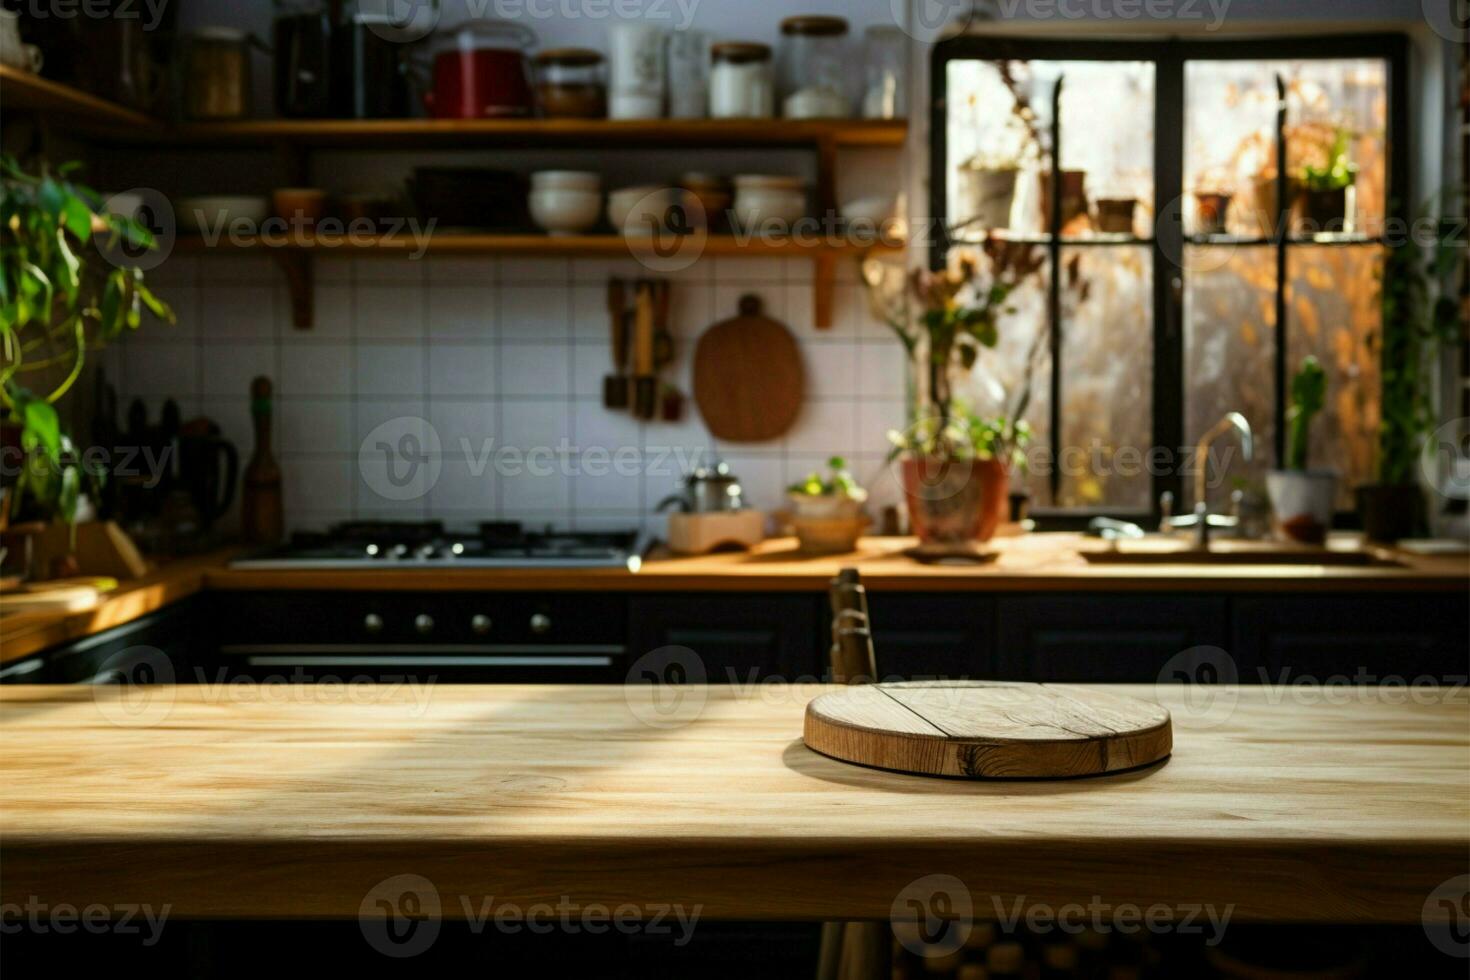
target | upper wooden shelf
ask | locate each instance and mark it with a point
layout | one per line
(107, 121)
(562, 132)
(81, 111)
(470, 243)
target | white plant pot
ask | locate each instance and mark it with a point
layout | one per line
(1302, 503)
(991, 194)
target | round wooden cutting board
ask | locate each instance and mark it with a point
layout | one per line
(985, 729)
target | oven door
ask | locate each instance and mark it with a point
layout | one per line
(446, 638)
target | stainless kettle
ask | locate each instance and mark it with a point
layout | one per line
(709, 489)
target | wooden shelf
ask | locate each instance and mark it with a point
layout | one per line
(471, 243)
(842, 133)
(81, 111)
(295, 257)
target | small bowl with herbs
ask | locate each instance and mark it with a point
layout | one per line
(827, 509)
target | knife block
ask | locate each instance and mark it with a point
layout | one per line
(699, 534)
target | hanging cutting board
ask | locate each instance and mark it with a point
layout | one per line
(980, 729)
(748, 378)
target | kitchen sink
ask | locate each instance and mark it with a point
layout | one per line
(1164, 551)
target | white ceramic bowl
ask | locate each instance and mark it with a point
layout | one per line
(757, 208)
(565, 212)
(875, 210)
(638, 210)
(218, 212)
(567, 180)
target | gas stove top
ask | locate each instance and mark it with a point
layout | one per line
(429, 545)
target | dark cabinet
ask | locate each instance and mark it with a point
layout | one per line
(1365, 639)
(924, 637)
(739, 638)
(1117, 639)
(161, 648)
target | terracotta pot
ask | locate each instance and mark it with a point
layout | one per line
(1391, 512)
(1074, 196)
(1210, 210)
(955, 499)
(1115, 215)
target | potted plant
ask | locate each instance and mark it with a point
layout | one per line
(826, 512)
(988, 177)
(1302, 500)
(59, 300)
(955, 466)
(1322, 193)
(1419, 315)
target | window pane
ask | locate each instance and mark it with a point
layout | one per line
(994, 385)
(999, 133)
(1230, 358)
(1107, 376)
(1230, 136)
(1334, 313)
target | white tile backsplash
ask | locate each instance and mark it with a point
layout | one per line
(500, 357)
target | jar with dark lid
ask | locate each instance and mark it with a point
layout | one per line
(813, 73)
(570, 85)
(741, 84)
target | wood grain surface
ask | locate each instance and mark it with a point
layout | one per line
(986, 729)
(749, 381)
(298, 801)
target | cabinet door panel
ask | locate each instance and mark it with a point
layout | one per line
(1362, 638)
(919, 637)
(739, 638)
(1117, 639)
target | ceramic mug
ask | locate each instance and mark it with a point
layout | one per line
(13, 53)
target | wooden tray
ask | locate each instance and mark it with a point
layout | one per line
(988, 730)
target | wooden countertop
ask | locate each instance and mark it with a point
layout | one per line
(1030, 563)
(22, 634)
(293, 802)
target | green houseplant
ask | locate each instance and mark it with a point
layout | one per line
(955, 465)
(1323, 190)
(826, 509)
(1302, 500)
(1420, 316)
(61, 296)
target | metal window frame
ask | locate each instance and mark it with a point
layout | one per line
(1169, 57)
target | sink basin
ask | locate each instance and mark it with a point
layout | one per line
(1167, 552)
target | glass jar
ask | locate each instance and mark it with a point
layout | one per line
(813, 73)
(569, 84)
(885, 95)
(740, 83)
(217, 74)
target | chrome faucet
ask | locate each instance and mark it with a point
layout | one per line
(1202, 520)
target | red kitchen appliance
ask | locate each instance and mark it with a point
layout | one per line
(480, 71)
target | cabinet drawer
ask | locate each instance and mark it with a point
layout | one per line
(920, 637)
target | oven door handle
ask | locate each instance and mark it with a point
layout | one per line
(366, 661)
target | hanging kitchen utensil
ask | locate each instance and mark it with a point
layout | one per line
(663, 338)
(645, 384)
(615, 385)
(984, 729)
(748, 376)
